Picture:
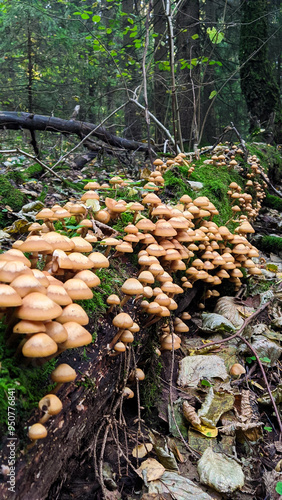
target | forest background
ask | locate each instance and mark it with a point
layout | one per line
(190, 67)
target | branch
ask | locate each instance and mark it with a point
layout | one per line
(278, 193)
(20, 151)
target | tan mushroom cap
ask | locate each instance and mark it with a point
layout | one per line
(45, 213)
(9, 270)
(56, 331)
(36, 244)
(127, 337)
(50, 404)
(81, 245)
(132, 287)
(38, 307)
(27, 327)
(90, 278)
(40, 276)
(63, 373)
(146, 277)
(78, 336)
(145, 225)
(59, 295)
(25, 284)
(37, 431)
(15, 254)
(58, 241)
(123, 321)
(119, 347)
(90, 195)
(77, 289)
(80, 261)
(73, 312)
(39, 345)
(124, 247)
(113, 300)
(99, 260)
(9, 297)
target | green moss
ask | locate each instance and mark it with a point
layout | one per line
(273, 202)
(10, 196)
(111, 282)
(124, 219)
(215, 181)
(30, 384)
(270, 244)
(34, 171)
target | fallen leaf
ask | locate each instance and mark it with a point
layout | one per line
(141, 450)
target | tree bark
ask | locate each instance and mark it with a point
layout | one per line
(15, 121)
(42, 470)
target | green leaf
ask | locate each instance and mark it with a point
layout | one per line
(265, 360)
(206, 383)
(278, 488)
(84, 16)
(212, 94)
(249, 359)
(214, 35)
(194, 37)
(268, 429)
(96, 19)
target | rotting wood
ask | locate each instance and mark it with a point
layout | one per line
(13, 120)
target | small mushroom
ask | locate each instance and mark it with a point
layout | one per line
(51, 405)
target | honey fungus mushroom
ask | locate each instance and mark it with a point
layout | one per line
(50, 405)
(62, 374)
(36, 431)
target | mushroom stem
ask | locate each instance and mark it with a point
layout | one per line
(115, 339)
(155, 319)
(56, 389)
(124, 300)
(45, 417)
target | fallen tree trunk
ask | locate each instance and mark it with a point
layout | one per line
(13, 120)
(42, 470)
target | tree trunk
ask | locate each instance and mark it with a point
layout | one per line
(160, 75)
(133, 129)
(15, 121)
(257, 78)
(42, 469)
(187, 25)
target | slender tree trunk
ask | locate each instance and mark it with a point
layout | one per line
(257, 77)
(210, 131)
(30, 67)
(187, 25)
(160, 76)
(133, 130)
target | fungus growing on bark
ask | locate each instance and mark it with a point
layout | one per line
(50, 405)
(62, 374)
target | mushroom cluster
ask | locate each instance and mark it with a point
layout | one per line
(177, 245)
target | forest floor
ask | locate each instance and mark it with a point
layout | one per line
(239, 425)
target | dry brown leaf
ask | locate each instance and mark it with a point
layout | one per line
(151, 470)
(141, 450)
(190, 414)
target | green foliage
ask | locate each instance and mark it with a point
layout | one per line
(124, 219)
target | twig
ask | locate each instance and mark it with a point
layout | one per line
(20, 151)
(278, 193)
(88, 135)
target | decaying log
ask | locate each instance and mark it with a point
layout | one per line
(52, 460)
(13, 120)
